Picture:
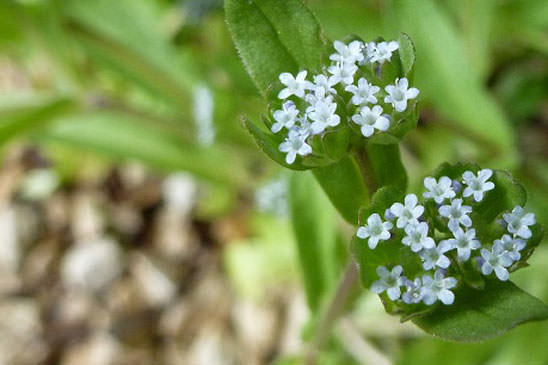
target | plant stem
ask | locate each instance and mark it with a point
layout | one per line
(349, 277)
(367, 170)
(333, 311)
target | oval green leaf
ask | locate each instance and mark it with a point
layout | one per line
(478, 315)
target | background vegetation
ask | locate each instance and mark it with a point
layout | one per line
(99, 84)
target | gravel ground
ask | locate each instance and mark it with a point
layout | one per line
(116, 270)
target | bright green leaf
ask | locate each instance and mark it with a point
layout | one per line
(406, 52)
(119, 136)
(274, 37)
(314, 224)
(478, 315)
(19, 118)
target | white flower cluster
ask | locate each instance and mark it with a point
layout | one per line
(310, 107)
(410, 218)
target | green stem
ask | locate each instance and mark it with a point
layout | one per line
(337, 303)
(367, 170)
(349, 279)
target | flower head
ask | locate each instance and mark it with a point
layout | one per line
(382, 51)
(477, 185)
(295, 144)
(433, 257)
(370, 119)
(342, 72)
(438, 288)
(348, 54)
(438, 190)
(413, 293)
(389, 281)
(408, 213)
(498, 260)
(294, 85)
(457, 214)
(323, 115)
(464, 242)
(417, 237)
(375, 229)
(363, 93)
(512, 246)
(325, 82)
(518, 222)
(285, 117)
(398, 94)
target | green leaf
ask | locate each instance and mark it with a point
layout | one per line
(406, 52)
(126, 38)
(314, 225)
(446, 78)
(478, 315)
(274, 36)
(343, 184)
(269, 143)
(23, 117)
(119, 136)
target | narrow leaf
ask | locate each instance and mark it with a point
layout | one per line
(118, 136)
(314, 225)
(22, 118)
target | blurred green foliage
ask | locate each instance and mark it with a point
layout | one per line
(116, 79)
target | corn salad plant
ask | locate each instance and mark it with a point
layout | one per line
(441, 257)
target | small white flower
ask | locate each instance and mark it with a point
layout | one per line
(318, 95)
(324, 82)
(477, 185)
(433, 257)
(417, 237)
(295, 144)
(285, 117)
(398, 94)
(370, 51)
(375, 229)
(464, 242)
(348, 54)
(438, 288)
(370, 119)
(363, 93)
(438, 190)
(408, 213)
(203, 105)
(323, 115)
(272, 197)
(519, 222)
(413, 293)
(342, 72)
(512, 246)
(389, 282)
(457, 214)
(383, 51)
(295, 85)
(304, 126)
(497, 260)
